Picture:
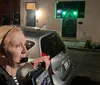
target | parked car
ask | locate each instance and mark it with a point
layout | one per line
(46, 42)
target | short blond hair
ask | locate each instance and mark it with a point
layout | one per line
(5, 30)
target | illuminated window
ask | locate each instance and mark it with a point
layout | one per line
(30, 6)
(78, 8)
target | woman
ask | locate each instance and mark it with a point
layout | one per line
(12, 52)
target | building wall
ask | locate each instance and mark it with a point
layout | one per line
(9, 8)
(6, 8)
(47, 9)
(7, 11)
(90, 29)
(23, 11)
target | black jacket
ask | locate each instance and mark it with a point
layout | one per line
(5, 78)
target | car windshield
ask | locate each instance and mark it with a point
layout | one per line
(52, 45)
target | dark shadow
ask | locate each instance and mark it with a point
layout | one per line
(6, 20)
(81, 80)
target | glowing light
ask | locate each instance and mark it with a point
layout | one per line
(64, 13)
(75, 13)
(38, 14)
(59, 11)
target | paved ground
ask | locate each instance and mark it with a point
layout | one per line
(89, 63)
(88, 60)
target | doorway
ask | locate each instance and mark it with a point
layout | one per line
(69, 23)
(31, 18)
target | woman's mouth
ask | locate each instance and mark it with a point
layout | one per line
(23, 60)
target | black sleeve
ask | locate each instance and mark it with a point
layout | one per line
(2, 80)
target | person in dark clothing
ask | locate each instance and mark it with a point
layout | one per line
(12, 52)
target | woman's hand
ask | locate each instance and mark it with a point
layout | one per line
(45, 59)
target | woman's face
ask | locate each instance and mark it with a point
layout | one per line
(16, 47)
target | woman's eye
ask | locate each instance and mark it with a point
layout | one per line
(17, 46)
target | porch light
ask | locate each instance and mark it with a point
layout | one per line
(38, 14)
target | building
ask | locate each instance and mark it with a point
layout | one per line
(9, 11)
(86, 28)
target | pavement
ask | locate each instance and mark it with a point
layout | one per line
(78, 45)
(88, 59)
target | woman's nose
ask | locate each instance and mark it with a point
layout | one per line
(24, 50)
